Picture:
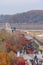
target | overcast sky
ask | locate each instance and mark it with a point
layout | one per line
(18, 6)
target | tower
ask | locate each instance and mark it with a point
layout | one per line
(8, 27)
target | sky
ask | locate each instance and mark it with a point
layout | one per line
(18, 6)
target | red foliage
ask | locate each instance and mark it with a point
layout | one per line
(14, 48)
(22, 42)
(19, 61)
(19, 44)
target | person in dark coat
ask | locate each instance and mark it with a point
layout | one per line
(36, 60)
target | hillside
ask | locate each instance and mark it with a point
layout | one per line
(33, 16)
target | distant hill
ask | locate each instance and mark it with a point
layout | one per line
(33, 16)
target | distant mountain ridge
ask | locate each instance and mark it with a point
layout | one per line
(33, 16)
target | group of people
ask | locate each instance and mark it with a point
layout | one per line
(36, 61)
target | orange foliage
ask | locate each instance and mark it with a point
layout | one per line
(4, 59)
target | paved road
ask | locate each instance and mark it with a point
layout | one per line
(38, 41)
(31, 37)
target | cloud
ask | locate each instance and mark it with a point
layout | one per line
(14, 6)
(18, 2)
